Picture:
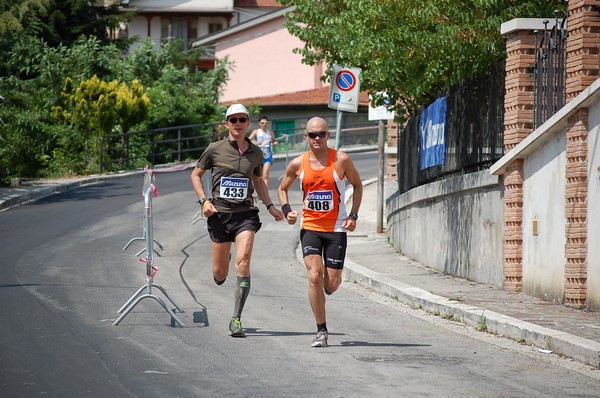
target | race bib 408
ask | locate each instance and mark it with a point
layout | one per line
(319, 201)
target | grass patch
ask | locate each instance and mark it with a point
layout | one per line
(452, 317)
(482, 326)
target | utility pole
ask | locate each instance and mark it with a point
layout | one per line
(338, 130)
(380, 174)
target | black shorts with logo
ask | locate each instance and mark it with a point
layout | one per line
(329, 245)
(223, 227)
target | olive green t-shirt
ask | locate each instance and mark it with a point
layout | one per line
(232, 173)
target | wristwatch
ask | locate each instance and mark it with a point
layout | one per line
(353, 215)
(202, 200)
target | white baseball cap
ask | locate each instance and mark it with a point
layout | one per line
(236, 108)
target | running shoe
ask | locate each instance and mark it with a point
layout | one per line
(235, 327)
(320, 340)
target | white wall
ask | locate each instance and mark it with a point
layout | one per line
(138, 27)
(593, 265)
(544, 199)
(454, 226)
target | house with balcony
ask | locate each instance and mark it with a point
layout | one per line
(188, 20)
(266, 72)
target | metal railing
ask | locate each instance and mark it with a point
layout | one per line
(186, 143)
(159, 146)
(474, 132)
(549, 70)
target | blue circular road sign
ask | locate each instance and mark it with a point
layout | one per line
(345, 80)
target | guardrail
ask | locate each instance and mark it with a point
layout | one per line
(186, 143)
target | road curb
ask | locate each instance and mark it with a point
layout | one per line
(581, 349)
(561, 343)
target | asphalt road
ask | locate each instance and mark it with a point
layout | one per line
(64, 275)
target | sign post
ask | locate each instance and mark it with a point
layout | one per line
(380, 113)
(343, 95)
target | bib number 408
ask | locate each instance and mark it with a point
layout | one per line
(319, 205)
(319, 201)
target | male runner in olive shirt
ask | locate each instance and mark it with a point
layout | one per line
(236, 167)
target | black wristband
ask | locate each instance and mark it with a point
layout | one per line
(269, 206)
(286, 209)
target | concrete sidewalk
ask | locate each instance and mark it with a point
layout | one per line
(373, 262)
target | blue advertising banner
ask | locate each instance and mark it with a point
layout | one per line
(432, 128)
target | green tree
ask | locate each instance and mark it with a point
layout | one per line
(34, 65)
(180, 94)
(97, 108)
(54, 23)
(27, 134)
(410, 49)
(67, 20)
(18, 19)
(16, 15)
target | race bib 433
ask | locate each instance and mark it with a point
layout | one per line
(319, 201)
(234, 188)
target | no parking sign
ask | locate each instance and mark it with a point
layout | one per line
(345, 88)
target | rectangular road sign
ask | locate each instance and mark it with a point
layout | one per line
(344, 88)
(380, 112)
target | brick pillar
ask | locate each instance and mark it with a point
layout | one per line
(583, 25)
(583, 64)
(518, 124)
(576, 211)
(513, 227)
(392, 142)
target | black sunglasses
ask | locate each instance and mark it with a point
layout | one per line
(320, 134)
(235, 120)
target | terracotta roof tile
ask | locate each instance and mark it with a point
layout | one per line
(318, 96)
(257, 3)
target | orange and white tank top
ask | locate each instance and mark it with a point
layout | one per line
(324, 192)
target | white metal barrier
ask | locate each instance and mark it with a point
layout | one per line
(149, 189)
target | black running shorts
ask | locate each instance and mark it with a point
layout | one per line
(223, 227)
(330, 245)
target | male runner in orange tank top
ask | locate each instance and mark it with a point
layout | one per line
(323, 173)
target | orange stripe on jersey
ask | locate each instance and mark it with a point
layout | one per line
(323, 191)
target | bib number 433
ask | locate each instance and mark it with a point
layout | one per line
(234, 188)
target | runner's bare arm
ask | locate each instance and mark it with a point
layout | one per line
(197, 174)
(353, 177)
(207, 207)
(252, 136)
(286, 183)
